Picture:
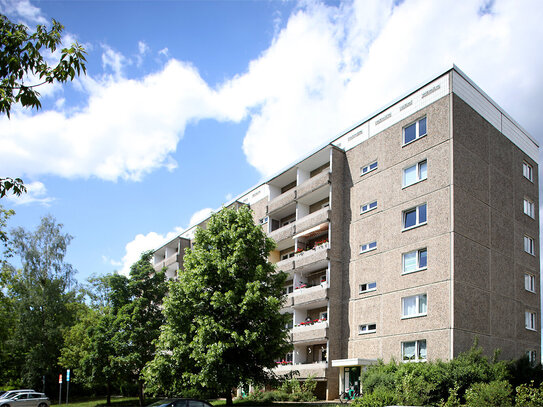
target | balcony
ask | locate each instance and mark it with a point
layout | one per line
(310, 333)
(317, 256)
(166, 262)
(310, 294)
(312, 184)
(317, 369)
(312, 220)
(282, 200)
(283, 233)
(285, 265)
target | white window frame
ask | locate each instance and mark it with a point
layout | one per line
(528, 171)
(418, 256)
(417, 358)
(420, 176)
(288, 255)
(288, 221)
(530, 320)
(418, 221)
(418, 135)
(370, 206)
(368, 168)
(529, 208)
(365, 288)
(288, 289)
(529, 245)
(368, 247)
(367, 329)
(529, 282)
(264, 220)
(418, 313)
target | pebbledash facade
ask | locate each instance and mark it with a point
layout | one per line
(407, 237)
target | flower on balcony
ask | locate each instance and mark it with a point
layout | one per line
(319, 242)
(300, 249)
(301, 285)
(323, 280)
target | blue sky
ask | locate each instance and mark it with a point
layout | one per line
(187, 104)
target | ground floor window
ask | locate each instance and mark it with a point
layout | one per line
(414, 351)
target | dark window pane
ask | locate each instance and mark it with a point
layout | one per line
(422, 213)
(422, 127)
(373, 166)
(423, 259)
(410, 133)
(372, 245)
(410, 218)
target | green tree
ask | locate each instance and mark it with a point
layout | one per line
(138, 322)
(223, 325)
(45, 300)
(22, 56)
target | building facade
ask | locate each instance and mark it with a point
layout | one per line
(407, 237)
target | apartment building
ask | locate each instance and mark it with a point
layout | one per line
(406, 237)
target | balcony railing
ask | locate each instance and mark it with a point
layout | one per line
(317, 254)
(282, 200)
(317, 369)
(306, 333)
(285, 265)
(282, 233)
(312, 184)
(310, 294)
(312, 220)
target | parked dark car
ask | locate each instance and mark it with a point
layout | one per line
(179, 403)
(29, 399)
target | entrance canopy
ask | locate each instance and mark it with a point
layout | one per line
(353, 362)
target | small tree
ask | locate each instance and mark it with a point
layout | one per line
(223, 325)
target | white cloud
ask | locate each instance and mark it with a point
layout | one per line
(110, 261)
(22, 9)
(199, 216)
(164, 52)
(328, 68)
(36, 192)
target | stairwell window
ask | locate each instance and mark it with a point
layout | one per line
(530, 320)
(532, 357)
(414, 131)
(368, 247)
(415, 173)
(529, 246)
(414, 351)
(414, 306)
(368, 168)
(529, 208)
(529, 282)
(414, 217)
(367, 287)
(367, 329)
(528, 171)
(416, 260)
(368, 207)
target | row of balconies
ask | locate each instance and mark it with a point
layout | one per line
(307, 222)
(298, 192)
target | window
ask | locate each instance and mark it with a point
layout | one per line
(528, 171)
(414, 261)
(414, 217)
(287, 255)
(263, 220)
(367, 329)
(288, 289)
(415, 173)
(368, 207)
(529, 245)
(530, 320)
(415, 306)
(288, 221)
(368, 168)
(368, 247)
(532, 357)
(414, 351)
(529, 283)
(529, 208)
(365, 288)
(414, 131)
(323, 316)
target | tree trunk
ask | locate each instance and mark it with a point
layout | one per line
(108, 393)
(229, 398)
(140, 393)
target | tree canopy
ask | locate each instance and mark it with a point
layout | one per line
(23, 59)
(223, 326)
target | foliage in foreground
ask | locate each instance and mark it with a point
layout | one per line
(223, 326)
(471, 379)
(290, 390)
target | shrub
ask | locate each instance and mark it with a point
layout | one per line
(529, 395)
(379, 397)
(497, 393)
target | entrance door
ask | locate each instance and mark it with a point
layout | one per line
(351, 379)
